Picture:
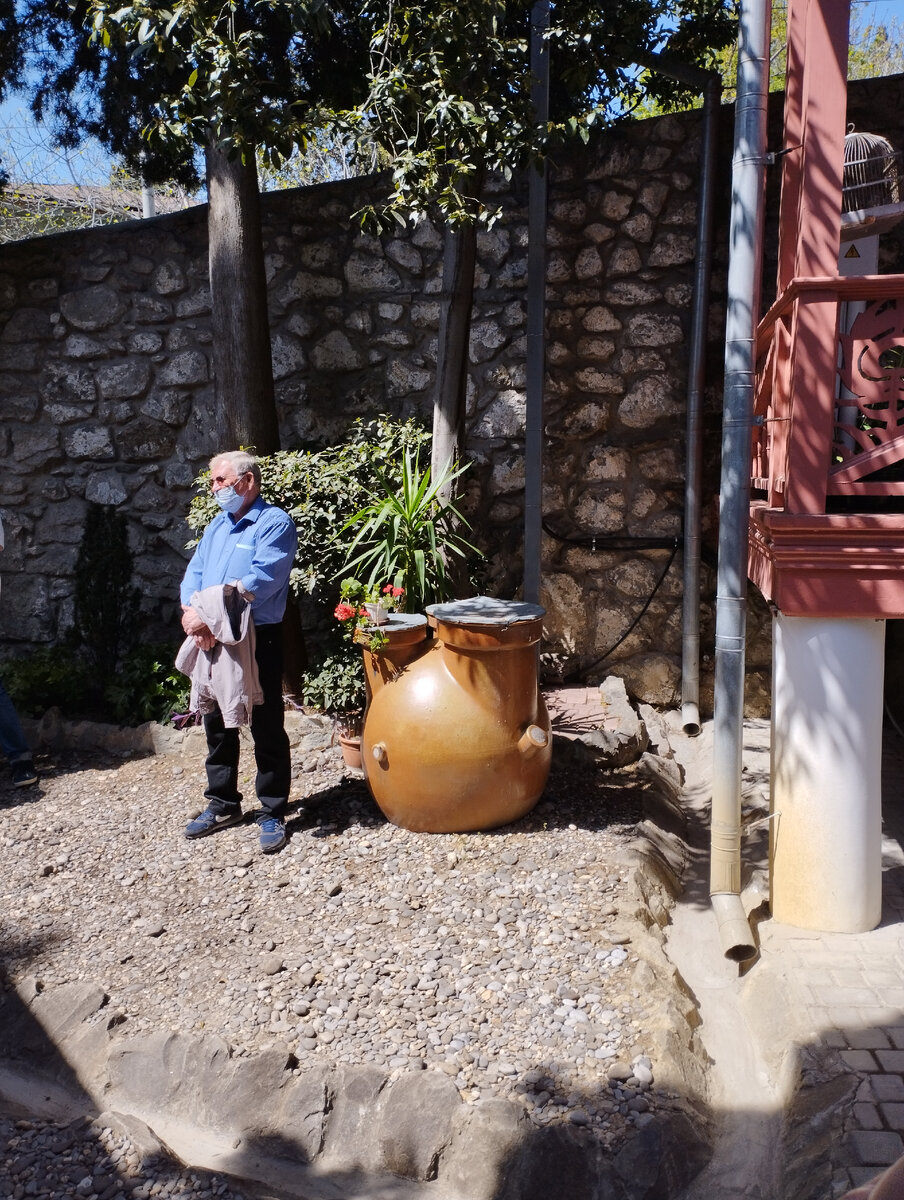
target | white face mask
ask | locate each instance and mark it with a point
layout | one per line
(229, 499)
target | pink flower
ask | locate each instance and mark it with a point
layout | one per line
(344, 612)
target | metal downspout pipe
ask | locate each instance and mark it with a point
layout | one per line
(536, 314)
(148, 206)
(690, 613)
(744, 282)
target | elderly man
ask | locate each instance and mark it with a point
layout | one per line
(250, 544)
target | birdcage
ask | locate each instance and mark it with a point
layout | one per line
(870, 178)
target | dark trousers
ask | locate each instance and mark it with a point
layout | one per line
(271, 743)
(12, 739)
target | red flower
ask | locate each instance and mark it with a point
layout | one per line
(344, 612)
(395, 592)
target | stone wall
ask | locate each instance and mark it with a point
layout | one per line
(106, 383)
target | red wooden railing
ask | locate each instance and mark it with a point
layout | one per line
(829, 406)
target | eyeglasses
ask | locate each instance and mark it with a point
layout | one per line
(218, 481)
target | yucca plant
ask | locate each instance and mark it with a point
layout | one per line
(411, 536)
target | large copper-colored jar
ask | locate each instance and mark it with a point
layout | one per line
(456, 735)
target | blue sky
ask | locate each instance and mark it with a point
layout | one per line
(92, 165)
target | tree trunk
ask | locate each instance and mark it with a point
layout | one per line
(459, 259)
(243, 370)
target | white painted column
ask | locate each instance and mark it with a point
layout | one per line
(826, 838)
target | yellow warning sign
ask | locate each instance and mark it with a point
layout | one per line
(852, 253)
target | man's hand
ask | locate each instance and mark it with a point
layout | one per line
(195, 627)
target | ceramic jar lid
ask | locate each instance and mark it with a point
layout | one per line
(485, 610)
(398, 620)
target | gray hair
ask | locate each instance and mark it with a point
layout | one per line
(241, 462)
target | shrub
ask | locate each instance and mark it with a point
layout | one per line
(146, 687)
(321, 489)
(337, 685)
(409, 534)
(53, 676)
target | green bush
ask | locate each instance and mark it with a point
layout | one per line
(53, 676)
(146, 687)
(321, 489)
(337, 685)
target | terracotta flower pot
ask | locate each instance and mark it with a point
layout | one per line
(350, 744)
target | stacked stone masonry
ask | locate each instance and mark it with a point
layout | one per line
(106, 383)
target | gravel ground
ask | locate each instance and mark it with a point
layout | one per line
(502, 959)
(86, 1158)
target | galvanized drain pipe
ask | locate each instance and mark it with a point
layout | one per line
(744, 283)
(690, 612)
(536, 315)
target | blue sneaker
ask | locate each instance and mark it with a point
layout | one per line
(273, 834)
(210, 821)
(24, 773)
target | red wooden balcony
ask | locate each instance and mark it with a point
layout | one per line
(827, 485)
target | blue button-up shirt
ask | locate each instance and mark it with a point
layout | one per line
(258, 549)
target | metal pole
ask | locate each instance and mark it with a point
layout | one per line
(148, 206)
(690, 616)
(536, 314)
(744, 280)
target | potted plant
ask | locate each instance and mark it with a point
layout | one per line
(337, 689)
(363, 607)
(410, 535)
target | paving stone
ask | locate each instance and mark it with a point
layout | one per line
(881, 979)
(875, 1147)
(867, 1116)
(855, 977)
(891, 1060)
(819, 977)
(861, 1175)
(882, 1016)
(894, 1116)
(896, 1036)
(853, 997)
(817, 962)
(893, 995)
(887, 1087)
(860, 1060)
(867, 1039)
(847, 1018)
(834, 1037)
